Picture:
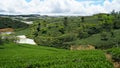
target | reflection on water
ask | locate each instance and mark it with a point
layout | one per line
(24, 40)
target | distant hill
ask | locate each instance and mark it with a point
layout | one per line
(6, 22)
(29, 15)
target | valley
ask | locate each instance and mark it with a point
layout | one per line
(60, 42)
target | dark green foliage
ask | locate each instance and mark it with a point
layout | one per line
(66, 39)
(62, 41)
(108, 40)
(9, 23)
(107, 26)
(93, 30)
(65, 21)
(52, 29)
(113, 12)
(104, 36)
(83, 34)
(112, 34)
(82, 19)
(96, 41)
(117, 24)
(35, 34)
(44, 31)
(106, 44)
(1, 41)
(9, 38)
(62, 30)
(38, 28)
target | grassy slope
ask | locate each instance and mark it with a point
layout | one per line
(29, 56)
(96, 38)
(22, 31)
(88, 19)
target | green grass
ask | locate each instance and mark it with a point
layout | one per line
(96, 38)
(22, 31)
(29, 56)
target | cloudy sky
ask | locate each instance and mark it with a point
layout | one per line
(58, 7)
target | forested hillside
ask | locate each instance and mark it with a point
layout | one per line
(100, 30)
(6, 22)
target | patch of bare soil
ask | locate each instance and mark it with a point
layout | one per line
(116, 64)
(82, 47)
(109, 57)
(7, 30)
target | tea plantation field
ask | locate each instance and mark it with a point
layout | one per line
(29, 56)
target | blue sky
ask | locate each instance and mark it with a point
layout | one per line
(58, 7)
(28, 0)
(95, 2)
(81, 0)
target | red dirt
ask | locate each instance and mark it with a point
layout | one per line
(116, 64)
(7, 30)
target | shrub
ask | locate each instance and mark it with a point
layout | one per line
(65, 40)
(117, 24)
(67, 37)
(105, 44)
(46, 41)
(9, 23)
(1, 40)
(61, 41)
(93, 30)
(104, 36)
(83, 34)
(9, 38)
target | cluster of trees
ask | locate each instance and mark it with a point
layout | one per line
(10, 23)
(7, 22)
(63, 31)
(5, 38)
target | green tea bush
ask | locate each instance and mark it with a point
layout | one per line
(29, 56)
(60, 41)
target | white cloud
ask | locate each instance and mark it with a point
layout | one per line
(64, 7)
(114, 5)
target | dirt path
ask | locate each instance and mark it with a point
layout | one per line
(109, 58)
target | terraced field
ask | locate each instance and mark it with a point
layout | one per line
(28, 56)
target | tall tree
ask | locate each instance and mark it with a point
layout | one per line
(61, 30)
(113, 12)
(38, 30)
(82, 19)
(65, 21)
(0, 39)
